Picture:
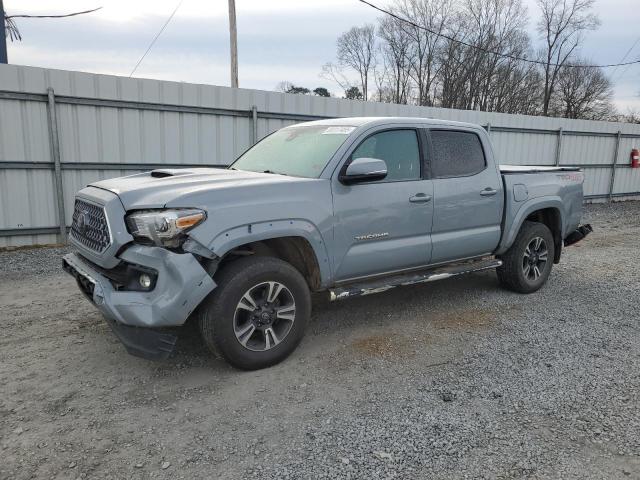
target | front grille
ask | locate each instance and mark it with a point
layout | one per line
(89, 226)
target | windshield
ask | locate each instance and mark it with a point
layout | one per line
(297, 151)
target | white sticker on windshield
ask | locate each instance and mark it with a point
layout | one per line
(338, 130)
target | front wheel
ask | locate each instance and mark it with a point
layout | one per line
(258, 313)
(527, 264)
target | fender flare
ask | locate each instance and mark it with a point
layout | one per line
(530, 206)
(255, 232)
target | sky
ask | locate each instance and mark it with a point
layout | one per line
(278, 40)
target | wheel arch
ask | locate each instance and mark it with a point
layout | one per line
(552, 218)
(294, 241)
(547, 211)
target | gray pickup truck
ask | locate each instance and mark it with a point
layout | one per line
(351, 206)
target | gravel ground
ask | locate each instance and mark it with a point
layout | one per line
(454, 379)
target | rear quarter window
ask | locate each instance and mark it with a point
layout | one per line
(456, 154)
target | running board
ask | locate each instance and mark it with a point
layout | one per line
(387, 283)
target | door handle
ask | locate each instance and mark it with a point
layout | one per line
(420, 198)
(488, 192)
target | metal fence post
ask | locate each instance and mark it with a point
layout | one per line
(489, 128)
(54, 144)
(613, 165)
(254, 125)
(559, 146)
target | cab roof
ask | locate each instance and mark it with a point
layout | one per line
(376, 121)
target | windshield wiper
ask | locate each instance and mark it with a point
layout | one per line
(271, 171)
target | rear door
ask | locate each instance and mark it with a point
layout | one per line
(384, 226)
(468, 198)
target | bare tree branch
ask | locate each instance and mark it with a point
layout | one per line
(356, 50)
(562, 26)
(583, 93)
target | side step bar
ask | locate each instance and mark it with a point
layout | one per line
(387, 283)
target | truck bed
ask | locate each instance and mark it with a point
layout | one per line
(528, 188)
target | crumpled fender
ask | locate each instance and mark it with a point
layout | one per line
(240, 235)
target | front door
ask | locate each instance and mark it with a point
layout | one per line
(384, 226)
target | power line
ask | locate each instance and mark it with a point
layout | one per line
(625, 55)
(485, 50)
(54, 16)
(156, 38)
(10, 29)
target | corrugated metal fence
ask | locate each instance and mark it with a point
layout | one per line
(61, 130)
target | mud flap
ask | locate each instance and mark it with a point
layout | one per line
(578, 234)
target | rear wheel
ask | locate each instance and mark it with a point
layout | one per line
(527, 264)
(258, 313)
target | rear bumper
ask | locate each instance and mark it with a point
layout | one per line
(181, 285)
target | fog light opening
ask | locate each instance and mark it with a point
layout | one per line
(144, 280)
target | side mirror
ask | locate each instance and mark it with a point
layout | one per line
(364, 170)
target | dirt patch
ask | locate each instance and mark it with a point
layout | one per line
(384, 345)
(393, 345)
(473, 317)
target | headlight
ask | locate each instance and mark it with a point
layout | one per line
(164, 228)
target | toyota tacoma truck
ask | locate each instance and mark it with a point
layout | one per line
(349, 206)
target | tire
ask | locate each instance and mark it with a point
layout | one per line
(514, 274)
(252, 338)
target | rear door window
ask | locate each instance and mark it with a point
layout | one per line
(456, 154)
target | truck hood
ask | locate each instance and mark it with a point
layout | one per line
(178, 187)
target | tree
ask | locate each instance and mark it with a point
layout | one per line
(477, 55)
(473, 72)
(284, 86)
(298, 90)
(321, 92)
(288, 87)
(583, 92)
(562, 27)
(631, 116)
(335, 74)
(396, 50)
(424, 67)
(353, 93)
(356, 50)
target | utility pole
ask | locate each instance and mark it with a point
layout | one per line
(233, 34)
(3, 39)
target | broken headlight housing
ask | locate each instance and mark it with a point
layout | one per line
(163, 228)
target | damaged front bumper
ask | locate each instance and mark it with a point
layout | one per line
(181, 284)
